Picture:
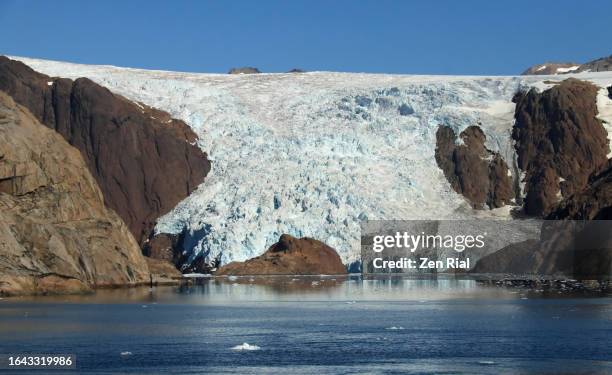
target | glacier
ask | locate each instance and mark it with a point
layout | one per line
(314, 154)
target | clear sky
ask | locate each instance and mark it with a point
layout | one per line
(401, 36)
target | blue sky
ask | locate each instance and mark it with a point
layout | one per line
(423, 37)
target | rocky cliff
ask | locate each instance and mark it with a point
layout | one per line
(575, 249)
(144, 161)
(480, 175)
(594, 202)
(56, 235)
(560, 142)
(290, 256)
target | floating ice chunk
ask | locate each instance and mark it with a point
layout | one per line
(394, 328)
(125, 354)
(246, 346)
(486, 363)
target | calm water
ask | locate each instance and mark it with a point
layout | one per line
(316, 325)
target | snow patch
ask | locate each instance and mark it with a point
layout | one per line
(567, 70)
(604, 107)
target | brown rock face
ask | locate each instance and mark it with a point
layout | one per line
(569, 248)
(477, 173)
(162, 271)
(594, 202)
(162, 246)
(290, 256)
(144, 161)
(56, 235)
(559, 142)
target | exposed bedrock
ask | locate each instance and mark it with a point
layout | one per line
(599, 65)
(290, 256)
(594, 202)
(479, 174)
(560, 142)
(56, 234)
(144, 161)
(577, 249)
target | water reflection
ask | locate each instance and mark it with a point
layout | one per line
(287, 288)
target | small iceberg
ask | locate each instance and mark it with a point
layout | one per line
(394, 328)
(125, 354)
(246, 346)
(486, 363)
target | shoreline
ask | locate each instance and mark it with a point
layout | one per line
(537, 285)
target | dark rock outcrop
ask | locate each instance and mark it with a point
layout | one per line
(594, 202)
(560, 142)
(144, 161)
(297, 70)
(56, 235)
(577, 249)
(610, 92)
(477, 173)
(603, 64)
(163, 246)
(290, 256)
(514, 259)
(244, 70)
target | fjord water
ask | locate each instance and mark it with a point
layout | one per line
(322, 325)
